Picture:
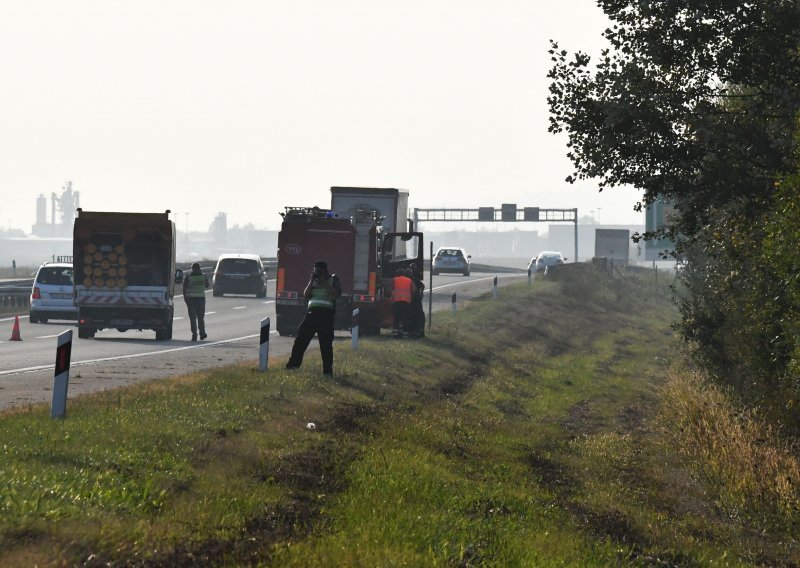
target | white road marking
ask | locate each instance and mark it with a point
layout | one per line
(239, 307)
(209, 313)
(47, 336)
(134, 355)
(12, 318)
(177, 318)
(479, 280)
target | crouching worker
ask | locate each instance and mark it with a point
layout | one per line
(402, 291)
(321, 292)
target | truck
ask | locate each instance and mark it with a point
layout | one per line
(358, 248)
(390, 204)
(612, 244)
(124, 272)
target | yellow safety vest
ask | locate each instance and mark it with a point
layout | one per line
(320, 298)
(196, 287)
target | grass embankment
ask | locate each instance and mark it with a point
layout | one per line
(522, 432)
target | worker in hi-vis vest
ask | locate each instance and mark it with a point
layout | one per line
(194, 294)
(321, 292)
(402, 290)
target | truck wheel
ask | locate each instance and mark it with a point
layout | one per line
(33, 319)
(165, 333)
(368, 330)
(216, 293)
(284, 331)
(86, 332)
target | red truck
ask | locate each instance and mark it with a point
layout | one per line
(357, 249)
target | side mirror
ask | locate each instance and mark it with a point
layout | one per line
(565, 259)
(469, 256)
(178, 276)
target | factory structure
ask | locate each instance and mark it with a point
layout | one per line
(62, 214)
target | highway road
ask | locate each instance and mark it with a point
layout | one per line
(113, 359)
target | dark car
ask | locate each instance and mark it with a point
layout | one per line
(240, 274)
(545, 261)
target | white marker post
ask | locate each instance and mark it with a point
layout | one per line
(494, 289)
(453, 303)
(354, 330)
(263, 345)
(58, 409)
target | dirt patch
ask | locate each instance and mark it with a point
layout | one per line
(551, 474)
(582, 420)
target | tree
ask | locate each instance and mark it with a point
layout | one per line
(696, 102)
(693, 101)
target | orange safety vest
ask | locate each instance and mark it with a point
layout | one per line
(402, 289)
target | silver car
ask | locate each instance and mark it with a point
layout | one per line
(52, 293)
(451, 259)
(547, 260)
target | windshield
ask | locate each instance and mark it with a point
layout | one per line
(56, 276)
(450, 253)
(238, 265)
(549, 259)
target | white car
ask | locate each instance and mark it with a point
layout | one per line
(52, 293)
(451, 259)
(546, 260)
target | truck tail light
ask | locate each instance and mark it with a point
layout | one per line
(283, 295)
(281, 276)
(36, 295)
(364, 298)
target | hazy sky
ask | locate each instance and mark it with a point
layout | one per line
(245, 107)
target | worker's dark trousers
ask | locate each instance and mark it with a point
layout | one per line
(400, 313)
(319, 321)
(197, 314)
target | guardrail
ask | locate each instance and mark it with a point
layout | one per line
(15, 295)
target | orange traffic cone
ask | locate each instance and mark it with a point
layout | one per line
(15, 331)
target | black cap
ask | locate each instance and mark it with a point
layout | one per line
(196, 266)
(321, 264)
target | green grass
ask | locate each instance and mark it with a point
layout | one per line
(535, 445)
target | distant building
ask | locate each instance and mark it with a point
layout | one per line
(62, 214)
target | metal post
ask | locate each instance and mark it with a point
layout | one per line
(453, 303)
(263, 345)
(576, 235)
(494, 289)
(58, 409)
(354, 330)
(430, 287)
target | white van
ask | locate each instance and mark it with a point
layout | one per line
(52, 293)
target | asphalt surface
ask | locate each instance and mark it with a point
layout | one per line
(113, 359)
